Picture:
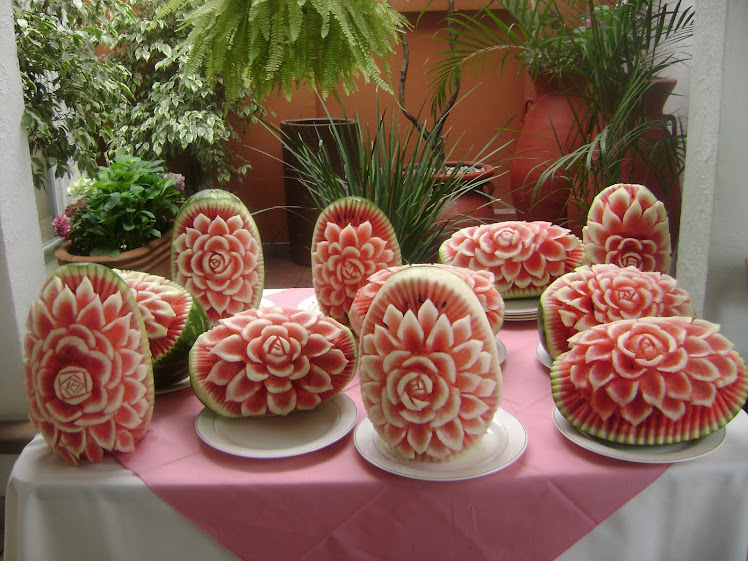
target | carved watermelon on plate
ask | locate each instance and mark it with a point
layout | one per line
(650, 381)
(480, 282)
(272, 361)
(589, 296)
(352, 240)
(217, 253)
(524, 257)
(88, 374)
(628, 226)
(429, 369)
(173, 320)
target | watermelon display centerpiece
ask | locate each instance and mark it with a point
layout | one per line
(88, 373)
(589, 296)
(480, 282)
(524, 257)
(217, 253)
(654, 380)
(272, 361)
(352, 240)
(429, 369)
(173, 320)
(627, 225)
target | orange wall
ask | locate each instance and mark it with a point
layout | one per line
(490, 101)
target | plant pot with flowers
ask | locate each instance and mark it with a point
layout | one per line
(123, 218)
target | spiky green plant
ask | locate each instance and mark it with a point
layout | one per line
(399, 172)
(276, 45)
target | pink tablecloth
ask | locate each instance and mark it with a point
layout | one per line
(332, 504)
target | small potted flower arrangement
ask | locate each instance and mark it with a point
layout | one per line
(123, 216)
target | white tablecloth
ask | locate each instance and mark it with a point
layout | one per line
(696, 511)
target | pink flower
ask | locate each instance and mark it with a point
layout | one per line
(88, 371)
(217, 262)
(430, 388)
(61, 226)
(273, 361)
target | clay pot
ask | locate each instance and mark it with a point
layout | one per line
(549, 131)
(472, 206)
(154, 257)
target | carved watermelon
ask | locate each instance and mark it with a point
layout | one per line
(88, 371)
(272, 361)
(589, 296)
(429, 369)
(217, 253)
(627, 226)
(524, 257)
(173, 320)
(650, 380)
(352, 240)
(480, 282)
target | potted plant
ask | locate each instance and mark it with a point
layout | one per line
(70, 91)
(124, 216)
(612, 51)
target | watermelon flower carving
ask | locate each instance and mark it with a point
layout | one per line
(524, 257)
(88, 369)
(217, 261)
(650, 381)
(342, 262)
(272, 361)
(627, 226)
(589, 296)
(481, 283)
(429, 386)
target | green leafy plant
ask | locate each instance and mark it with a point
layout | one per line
(176, 114)
(277, 44)
(127, 204)
(70, 91)
(396, 171)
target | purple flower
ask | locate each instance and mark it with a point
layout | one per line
(179, 180)
(61, 226)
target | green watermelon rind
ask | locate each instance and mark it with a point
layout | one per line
(577, 412)
(233, 205)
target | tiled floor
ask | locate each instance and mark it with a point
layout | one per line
(282, 272)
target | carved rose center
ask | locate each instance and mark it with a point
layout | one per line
(277, 347)
(73, 384)
(216, 262)
(352, 271)
(414, 390)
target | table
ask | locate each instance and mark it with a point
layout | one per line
(189, 501)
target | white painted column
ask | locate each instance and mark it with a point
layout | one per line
(21, 256)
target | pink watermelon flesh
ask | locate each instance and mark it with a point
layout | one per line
(650, 380)
(524, 257)
(352, 240)
(589, 296)
(480, 282)
(429, 369)
(272, 361)
(627, 226)
(217, 254)
(88, 372)
(173, 320)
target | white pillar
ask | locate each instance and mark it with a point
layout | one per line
(21, 255)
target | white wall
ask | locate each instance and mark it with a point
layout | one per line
(21, 258)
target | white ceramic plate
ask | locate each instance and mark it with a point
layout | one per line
(265, 303)
(309, 304)
(279, 437)
(521, 309)
(502, 445)
(501, 350)
(665, 454)
(543, 356)
(183, 383)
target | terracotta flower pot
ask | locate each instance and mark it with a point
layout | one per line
(473, 207)
(154, 257)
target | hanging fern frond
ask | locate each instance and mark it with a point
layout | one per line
(277, 45)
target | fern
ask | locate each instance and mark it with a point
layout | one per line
(276, 45)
